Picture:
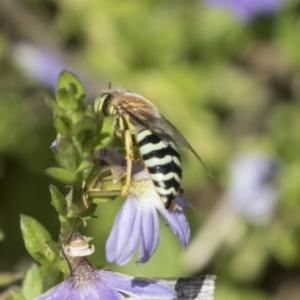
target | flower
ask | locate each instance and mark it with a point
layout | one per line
(37, 63)
(137, 221)
(87, 282)
(251, 193)
(247, 10)
(254, 195)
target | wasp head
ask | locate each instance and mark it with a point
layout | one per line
(102, 104)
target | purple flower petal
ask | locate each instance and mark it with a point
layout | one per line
(101, 291)
(53, 145)
(124, 236)
(177, 221)
(143, 289)
(91, 291)
(138, 218)
(86, 282)
(60, 291)
(254, 194)
(38, 63)
(107, 285)
(181, 202)
(149, 231)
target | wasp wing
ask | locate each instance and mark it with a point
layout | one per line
(163, 128)
(180, 140)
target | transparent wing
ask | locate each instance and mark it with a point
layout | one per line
(162, 128)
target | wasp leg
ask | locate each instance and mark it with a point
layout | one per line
(129, 158)
(99, 193)
(92, 182)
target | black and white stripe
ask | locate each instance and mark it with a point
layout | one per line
(163, 161)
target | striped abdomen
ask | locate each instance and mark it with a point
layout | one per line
(163, 161)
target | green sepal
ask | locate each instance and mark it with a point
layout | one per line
(35, 237)
(57, 200)
(66, 155)
(61, 175)
(74, 91)
(32, 285)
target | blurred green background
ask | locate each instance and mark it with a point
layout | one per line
(228, 83)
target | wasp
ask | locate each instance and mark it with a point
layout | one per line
(139, 123)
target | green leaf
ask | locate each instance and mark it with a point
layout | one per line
(39, 244)
(33, 283)
(51, 250)
(66, 79)
(89, 111)
(84, 165)
(62, 175)
(84, 124)
(66, 100)
(66, 155)
(35, 236)
(107, 130)
(58, 200)
(61, 125)
(51, 103)
(69, 82)
(103, 137)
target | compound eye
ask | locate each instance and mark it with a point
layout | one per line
(101, 104)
